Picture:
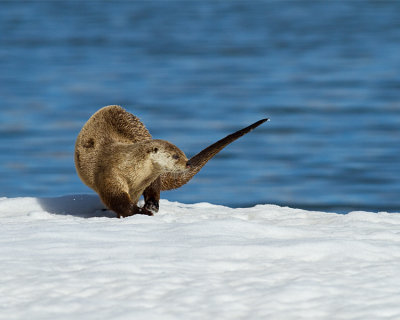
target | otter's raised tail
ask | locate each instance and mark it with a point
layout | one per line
(172, 180)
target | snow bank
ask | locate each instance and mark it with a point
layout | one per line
(66, 258)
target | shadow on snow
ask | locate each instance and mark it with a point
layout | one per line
(84, 206)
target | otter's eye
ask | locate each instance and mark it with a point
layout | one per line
(175, 156)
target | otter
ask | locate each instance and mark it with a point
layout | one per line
(117, 157)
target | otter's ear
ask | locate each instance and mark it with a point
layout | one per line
(152, 150)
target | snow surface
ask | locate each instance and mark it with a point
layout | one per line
(66, 258)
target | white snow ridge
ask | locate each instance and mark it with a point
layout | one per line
(66, 258)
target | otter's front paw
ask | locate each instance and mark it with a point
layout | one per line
(151, 206)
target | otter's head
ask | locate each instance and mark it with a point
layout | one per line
(167, 157)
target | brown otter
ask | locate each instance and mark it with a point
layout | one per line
(116, 156)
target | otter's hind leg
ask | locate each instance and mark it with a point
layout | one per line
(121, 204)
(152, 196)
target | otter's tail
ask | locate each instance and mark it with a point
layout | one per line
(173, 180)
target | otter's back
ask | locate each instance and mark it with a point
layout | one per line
(111, 124)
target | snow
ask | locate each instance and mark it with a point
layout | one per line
(66, 258)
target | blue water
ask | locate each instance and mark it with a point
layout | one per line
(326, 73)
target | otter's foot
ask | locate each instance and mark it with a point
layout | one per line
(121, 204)
(152, 196)
(145, 212)
(132, 210)
(137, 210)
(151, 205)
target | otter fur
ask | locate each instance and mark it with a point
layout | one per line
(116, 156)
